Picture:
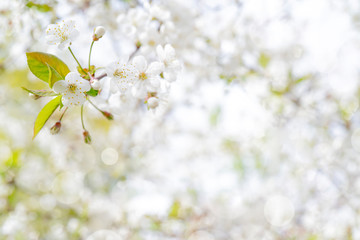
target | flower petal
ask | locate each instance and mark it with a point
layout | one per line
(169, 52)
(140, 63)
(73, 98)
(155, 68)
(160, 52)
(83, 85)
(60, 86)
(71, 77)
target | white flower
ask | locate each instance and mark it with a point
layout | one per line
(147, 77)
(122, 74)
(149, 39)
(95, 84)
(61, 33)
(168, 57)
(159, 13)
(133, 22)
(153, 102)
(73, 89)
(157, 101)
(99, 32)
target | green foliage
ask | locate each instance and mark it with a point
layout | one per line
(47, 67)
(228, 79)
(92, 92)
(214, 116)
(175, 210)
(41, 93)
(45, 114)
(39, 7)
(264, 60)
(54, 76)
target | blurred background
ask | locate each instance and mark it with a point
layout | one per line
(259, 140)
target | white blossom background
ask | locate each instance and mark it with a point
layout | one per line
(260, 138)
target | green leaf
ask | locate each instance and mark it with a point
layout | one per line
(264, 60)
(54, 76)
(299, 80)
(41, 93)
(45, 114)
(92, 92)
(175, 210)
(46, 66)
(39, 7)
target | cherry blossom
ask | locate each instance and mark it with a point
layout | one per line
(147, 77)
(73, 89)
(122, 74)
(61, 34)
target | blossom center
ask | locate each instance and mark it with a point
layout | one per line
(119, 74)
(72, 88)
(142, 76)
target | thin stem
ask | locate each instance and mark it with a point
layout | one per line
(76, 60)
(133, 54)
(82, 117)
(95, 105)
(90, 52)
(62, 115)
(101, 76)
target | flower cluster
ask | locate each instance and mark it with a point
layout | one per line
(131, 76)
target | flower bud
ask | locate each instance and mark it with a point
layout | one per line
(87, 137)
(33, 96)
(95, 84)
(98, 33)
(108, 115)
(56, 128)
(153, 102)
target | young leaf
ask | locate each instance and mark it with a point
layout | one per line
(264, 60)
(45, 113)
(39, 64)
(39, 7)
(54, 76)
(92, 92)
(41, 93)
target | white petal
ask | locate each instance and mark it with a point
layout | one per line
(140, 63)
(73, 99)
(155, 68)
(52, 39)
(113, 87)
(71, 77)
(110, 69)
(51, 29)
(169, 52)
(64, 44)
(83, 85)
(170, 76)
(60, 86)
(154, 82)
(160, 52)
(74, 34)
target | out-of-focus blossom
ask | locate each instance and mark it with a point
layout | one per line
(122, 74)
(147, 77)
(62, 33)
(98, 33)
(73, 89)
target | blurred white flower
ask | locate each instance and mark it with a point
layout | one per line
(98, 33)
(147, 77)
(167, 56)
(72, 89)
(122, 74)
(61, 34)
(153, 102)
(133, 22)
